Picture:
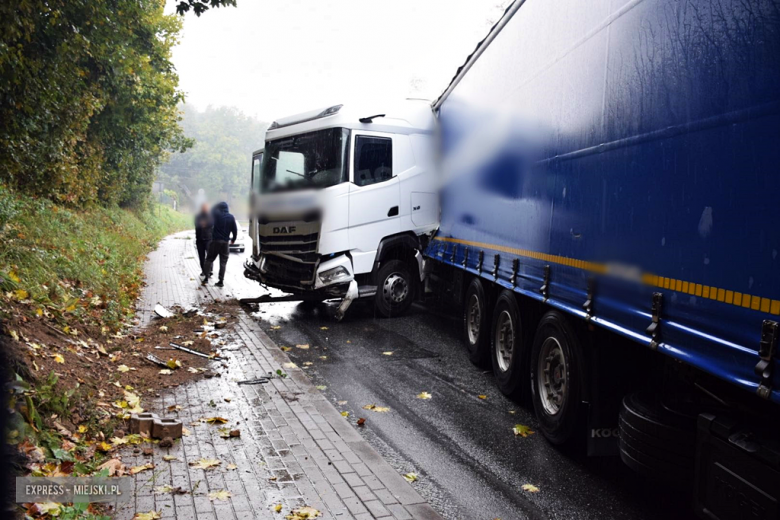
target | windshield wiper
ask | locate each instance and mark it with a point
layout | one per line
(296, 173)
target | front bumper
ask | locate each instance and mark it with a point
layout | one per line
(330, 277)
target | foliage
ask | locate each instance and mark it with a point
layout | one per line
(201, 6)
(88, 98)
(85, 260)
(220, 160)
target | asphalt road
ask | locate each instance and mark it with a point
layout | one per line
(470, 464)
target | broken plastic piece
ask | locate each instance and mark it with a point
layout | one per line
(162, 312)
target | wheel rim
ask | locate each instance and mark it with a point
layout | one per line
(552, 376)
(395, 289)
(474, 319)
(505, 341)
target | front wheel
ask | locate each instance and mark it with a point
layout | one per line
(395, 289)
(557, 378)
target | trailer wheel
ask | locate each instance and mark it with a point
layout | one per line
(507, 346)
(395, 289)
(557, 378)
(657, 441)
(476, 323)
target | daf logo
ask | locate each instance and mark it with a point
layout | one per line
(604, 433)
(281, 230)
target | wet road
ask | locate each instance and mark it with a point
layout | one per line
(469, 462)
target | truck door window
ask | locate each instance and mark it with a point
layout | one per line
(256, 162)
(373, 159)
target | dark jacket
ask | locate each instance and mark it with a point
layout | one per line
(224, 223)
(204, 224)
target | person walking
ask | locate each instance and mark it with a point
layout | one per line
(224, 233)
(204, 225)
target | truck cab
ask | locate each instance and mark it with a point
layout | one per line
(344, 201)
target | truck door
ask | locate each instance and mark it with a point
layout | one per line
(374, 196)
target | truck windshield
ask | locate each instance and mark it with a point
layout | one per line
(311, 160)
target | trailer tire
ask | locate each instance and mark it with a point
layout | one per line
(557, 379)
(507, 346)
(395, 289)
(476, 322)
(656, 441)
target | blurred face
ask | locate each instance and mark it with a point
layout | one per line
(204, 208)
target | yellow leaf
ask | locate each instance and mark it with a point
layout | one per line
(388, 353)
(163, 328)
(530, 488)
(104, 446)
(39, 312)
(123, 368)
(58, 358)
(14, 335)
(151, 515)
(278, 508)
(303, 513)
(424, 395)
(70, 308)
(220, 495)
(286, 349)
(345, 414)
(21, 294)
(205, 463)
(276, 327)
(411, 477)
(216, 420)
(522, 430)
(482, 396)
(138, 469)
(173, 363)
(323, 328)
(15, 277)
(169, 458)
(82, 429)
(166, 372)
(302, 347)
(375, 408)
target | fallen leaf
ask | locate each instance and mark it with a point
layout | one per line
(424, 395)
(138, 469)
(174, 408)
(323, 328)
(289, 365)
(530, 488)
(163, 489)
(361, 421)
(522, 430)
(345, 414)
(482, 396)
(123, 368)
(286, 349)
(58, 358)
(114, 467)
(276, 327)
(21, 294)
(302, 347)
(220, 495)
(388, 353)
(411, 477)
(278, 508)
(216, 420)
(169, 458)
(205, 463)
(151, 515)
(185, 432)
(321, 387)
(166, 372)
(303, 513)
(173, 363)
(163, 328)
(375, 408)
(231, 467)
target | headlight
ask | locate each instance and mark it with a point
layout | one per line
(334, 275)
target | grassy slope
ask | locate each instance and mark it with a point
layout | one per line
(77, 263)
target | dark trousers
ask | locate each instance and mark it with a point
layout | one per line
(219, 248)
(203, 247)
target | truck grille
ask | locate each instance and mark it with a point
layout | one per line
(291, 254)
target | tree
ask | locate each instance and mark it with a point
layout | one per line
(201, 6)
(220, 160)
(88, 98)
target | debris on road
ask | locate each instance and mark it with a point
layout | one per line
(162, 312)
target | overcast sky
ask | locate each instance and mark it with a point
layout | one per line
(274, 58)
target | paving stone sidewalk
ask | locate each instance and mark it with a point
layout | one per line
(295, 448)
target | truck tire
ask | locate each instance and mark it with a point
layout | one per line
(656, 441)
(507, 346)
(557, 379)
(395, 289)
(476, 322)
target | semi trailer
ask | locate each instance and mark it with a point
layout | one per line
(610, 227)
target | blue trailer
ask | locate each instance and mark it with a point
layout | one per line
(610, 224)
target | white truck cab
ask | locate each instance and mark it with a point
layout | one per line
(344, 201)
